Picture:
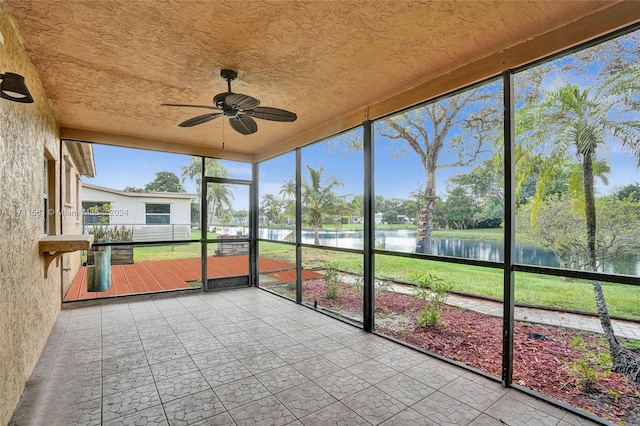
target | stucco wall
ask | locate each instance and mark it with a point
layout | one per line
(72, 217)
(29, 303)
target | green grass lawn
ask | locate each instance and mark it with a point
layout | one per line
(532, 289)
(175, 251)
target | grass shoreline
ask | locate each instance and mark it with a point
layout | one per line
(530, 289)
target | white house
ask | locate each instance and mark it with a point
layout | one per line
(153, 216)
(377, 219)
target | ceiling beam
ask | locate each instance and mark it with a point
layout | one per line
(150, 144)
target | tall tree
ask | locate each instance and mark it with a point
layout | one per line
(271, 208)
(461, 125)
(629, 192)
(485, 181)
(133, 189)
(319, 199)
(562, 229)
(218, 195)
(288, 189)
(288, 193)
(460, 209)
(576, 120)
(165, 182)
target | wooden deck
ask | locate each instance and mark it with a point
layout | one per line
(164, 275)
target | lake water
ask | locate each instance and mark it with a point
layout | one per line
(404, 240)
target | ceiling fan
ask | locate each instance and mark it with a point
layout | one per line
(238, 107)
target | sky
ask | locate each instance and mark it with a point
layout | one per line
(394, 177)
(397, 174)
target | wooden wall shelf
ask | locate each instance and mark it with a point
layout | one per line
(53, 246)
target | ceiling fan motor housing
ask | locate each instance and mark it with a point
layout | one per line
(228, 75)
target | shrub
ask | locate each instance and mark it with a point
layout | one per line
(590, 368)
(433, 290)
(112, 233)
(383, 286)
(331, 280)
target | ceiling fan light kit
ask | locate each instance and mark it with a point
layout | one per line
(238, 108)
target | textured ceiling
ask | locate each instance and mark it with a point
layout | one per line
(108, 65)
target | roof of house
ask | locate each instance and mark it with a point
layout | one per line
(174, 195)
(82, 156)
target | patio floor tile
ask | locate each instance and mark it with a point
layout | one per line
(305, 399)
(373, 406)
(210, 359)
(265, 411)
(193, 408)
(335, 414)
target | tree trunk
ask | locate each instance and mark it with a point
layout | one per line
(425, 216)
(624, 360)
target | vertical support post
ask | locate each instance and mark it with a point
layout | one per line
(203, 225)
(253, 226)
(298, 225)
(369, 231)
(509, 229)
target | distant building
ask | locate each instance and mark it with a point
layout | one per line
(153, 216)
(404, 219)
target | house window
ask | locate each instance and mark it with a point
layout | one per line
(67, 182)
(158, 214)
(78, 197)
(50, 201)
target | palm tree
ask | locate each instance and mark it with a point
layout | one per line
(575, 120)
(288, 193)
(218, 195)
(319, 199)
(288, 189)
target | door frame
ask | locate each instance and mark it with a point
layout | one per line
(204, 221)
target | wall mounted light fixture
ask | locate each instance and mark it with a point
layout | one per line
(13, 88)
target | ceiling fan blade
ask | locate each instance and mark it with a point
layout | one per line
(192, 106)
(273, 114)
(240, 101)
(243, 124)
(199, 119)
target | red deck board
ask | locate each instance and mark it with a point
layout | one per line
(162, 275)
(186, 270)
(140, 273)
(74, 291)
(119, 284)
(167, 279)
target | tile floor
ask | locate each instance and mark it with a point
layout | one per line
(247, 357)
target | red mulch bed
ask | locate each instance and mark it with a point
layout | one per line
(475, 339)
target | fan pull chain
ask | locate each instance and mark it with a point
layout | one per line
(222, 134)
